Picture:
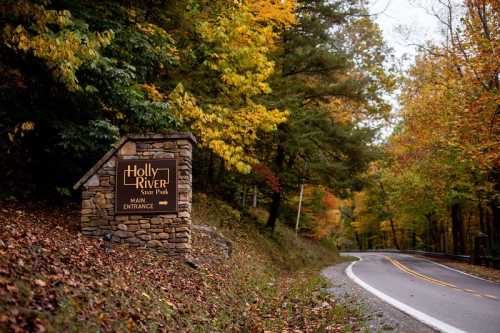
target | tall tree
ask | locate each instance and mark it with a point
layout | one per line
(325, 70)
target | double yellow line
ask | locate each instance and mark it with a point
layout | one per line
(419, 275)
(427, 278)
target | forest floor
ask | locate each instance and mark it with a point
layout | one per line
(52, 279)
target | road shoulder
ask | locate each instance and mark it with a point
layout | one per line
(379, 316)
(480, 272)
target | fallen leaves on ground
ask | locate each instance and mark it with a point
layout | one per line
(53, 279)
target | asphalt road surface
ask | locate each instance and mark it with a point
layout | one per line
(443, 298)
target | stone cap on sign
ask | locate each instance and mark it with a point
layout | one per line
(170, 136)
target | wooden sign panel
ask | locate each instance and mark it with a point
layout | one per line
(146, 186)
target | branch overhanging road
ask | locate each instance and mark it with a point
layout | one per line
(445, 299)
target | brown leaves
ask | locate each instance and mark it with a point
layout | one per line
(52, 279)
(40, 283)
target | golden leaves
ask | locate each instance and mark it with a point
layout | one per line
(65, 51)
(152, 92)
(238, 45)
(240, 52)
(20, 129)
(276, 12)
(230, 133)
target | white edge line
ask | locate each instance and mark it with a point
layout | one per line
(420, 316)
(459, 271)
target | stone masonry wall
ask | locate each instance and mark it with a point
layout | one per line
(170, 233)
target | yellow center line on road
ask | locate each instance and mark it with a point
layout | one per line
(419, 275)
(427, 278)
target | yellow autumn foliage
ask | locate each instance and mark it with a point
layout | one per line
(279, 12)
(230, 123)
(65, 51)
(229, 133)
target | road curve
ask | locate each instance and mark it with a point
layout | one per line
(445, 299)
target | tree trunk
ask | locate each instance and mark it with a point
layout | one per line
(430, 238)
(360, 246)
(210, 171)
(481, 217)
(221, 172)
(244, 197)
(435, 231)
(274, 210)
(254, 198)
(445, 241)
(495, 223)
(394, 235)
(495, 213)
(487, 223)
(413, 239)
(457, 229)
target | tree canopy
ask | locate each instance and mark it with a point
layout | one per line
(277, 92)
(438, 184)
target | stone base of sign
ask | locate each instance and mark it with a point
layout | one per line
(170, 233)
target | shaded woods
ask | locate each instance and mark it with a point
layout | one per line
(276, 92)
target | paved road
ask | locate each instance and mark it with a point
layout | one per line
(448, 300)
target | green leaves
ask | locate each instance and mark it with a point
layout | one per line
(63, 49)
(96, 136)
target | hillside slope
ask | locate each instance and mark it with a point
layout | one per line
(53, 279)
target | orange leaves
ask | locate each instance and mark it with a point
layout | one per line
(20, 129)
(330, 201)
(446, 144)
(321, 210)
(40, 283)
(271, 179)
(68, 282)
(451, 97)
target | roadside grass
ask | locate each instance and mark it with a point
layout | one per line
(283, 269)
(52, 279)
(283, 247)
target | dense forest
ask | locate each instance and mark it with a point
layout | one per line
(274, 91)
(278, 94)
(437, 186)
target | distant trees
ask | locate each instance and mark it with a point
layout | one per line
(441, 171)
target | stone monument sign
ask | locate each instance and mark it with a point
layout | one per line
(140, 193)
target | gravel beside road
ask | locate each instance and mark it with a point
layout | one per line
(380, 316)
